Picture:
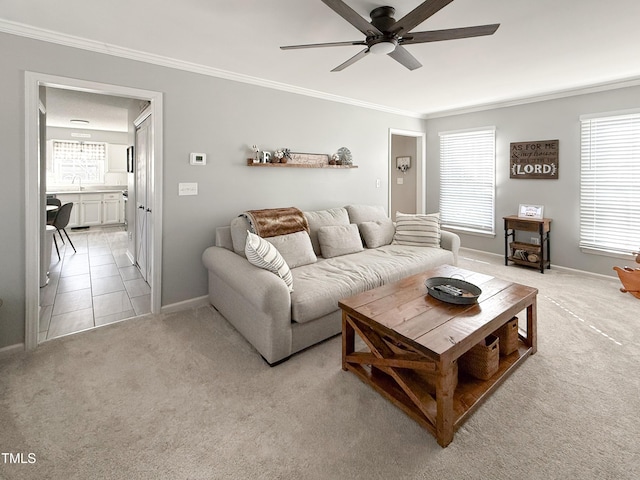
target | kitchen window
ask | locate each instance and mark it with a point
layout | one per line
(78, 162)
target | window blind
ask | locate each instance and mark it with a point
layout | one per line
(467, 180)
(610, 183)
(84, 160)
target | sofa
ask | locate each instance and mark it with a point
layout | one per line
(290, 304)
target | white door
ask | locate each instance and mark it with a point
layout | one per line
(143, 152)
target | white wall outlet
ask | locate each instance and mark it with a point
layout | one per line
(400, 180)
(187, 189)
(198, 159)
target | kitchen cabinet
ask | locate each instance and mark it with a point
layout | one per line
(91, 209)
(94, 208)
(111, 208)
(117, 156)
(74, 219)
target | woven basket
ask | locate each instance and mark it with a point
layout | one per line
(483, 359)
(508, 335)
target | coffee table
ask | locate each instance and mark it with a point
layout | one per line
(413, 342)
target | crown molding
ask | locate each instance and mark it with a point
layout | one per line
(569, 92)
(29, 31)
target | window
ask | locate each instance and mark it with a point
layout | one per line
(75, 162)
(467, 180)
(610, 183)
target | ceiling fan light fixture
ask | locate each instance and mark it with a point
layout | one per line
(383, 48)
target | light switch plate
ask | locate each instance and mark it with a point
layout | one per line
(198, 159)
(187, 189)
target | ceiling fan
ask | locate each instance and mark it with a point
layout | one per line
(385, 35)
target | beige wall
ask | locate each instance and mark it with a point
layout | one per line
(546, 120)
(201, 114)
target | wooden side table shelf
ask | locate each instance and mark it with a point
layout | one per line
(525, 253)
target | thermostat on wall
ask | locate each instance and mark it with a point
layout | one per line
(198, 159)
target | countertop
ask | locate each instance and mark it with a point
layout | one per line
(72, 192)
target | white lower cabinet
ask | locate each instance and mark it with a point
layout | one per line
(90, 209)
(74, 218)
(111, 207)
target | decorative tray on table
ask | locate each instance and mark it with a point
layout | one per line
(452, 290)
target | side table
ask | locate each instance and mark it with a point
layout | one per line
(528, 253)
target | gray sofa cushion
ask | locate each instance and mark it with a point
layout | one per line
(319, 286)
(377, 234)
(295, 248)
(337, 240)
(375, 226)
(239, 227)
(365, 213)
(321, 218)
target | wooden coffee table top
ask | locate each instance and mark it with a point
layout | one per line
(441, 330)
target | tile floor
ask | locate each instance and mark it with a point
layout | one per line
(93, 286)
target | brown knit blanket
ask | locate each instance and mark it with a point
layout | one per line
(276, 221)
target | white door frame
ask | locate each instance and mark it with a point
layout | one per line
(421, 167)
(33, 81)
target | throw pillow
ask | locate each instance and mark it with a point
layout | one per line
(336, 240)
(321, 218)
(295, 248)
(375, 226)
(262, 254)
(378, 233)
(417, 230)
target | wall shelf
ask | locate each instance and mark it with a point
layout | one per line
(298, 165)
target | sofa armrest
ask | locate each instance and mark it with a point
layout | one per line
(263, 289)
(450, 241)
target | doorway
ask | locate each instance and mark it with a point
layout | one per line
(407, 164)
(35, 201)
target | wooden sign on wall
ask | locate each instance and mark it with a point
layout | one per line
(534, 159)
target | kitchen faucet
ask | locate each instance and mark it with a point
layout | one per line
(73, 180)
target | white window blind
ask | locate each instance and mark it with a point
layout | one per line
(610, 183)
(82, 160)
(467, 180)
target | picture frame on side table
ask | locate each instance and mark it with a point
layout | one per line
(531, 211)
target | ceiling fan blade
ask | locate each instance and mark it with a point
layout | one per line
(351, 16)
(449, 34)
(352, 60)
(317, 45)
(418, 15)
(402, 56)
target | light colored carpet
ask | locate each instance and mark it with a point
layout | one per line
(183, 396)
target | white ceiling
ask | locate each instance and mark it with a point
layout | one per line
(103, 112)
(542, 47)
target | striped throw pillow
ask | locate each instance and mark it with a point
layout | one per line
(264, 255)
(417, 230)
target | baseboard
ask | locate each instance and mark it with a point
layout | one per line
(554, 266)
(186, 304)
(11, 350)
